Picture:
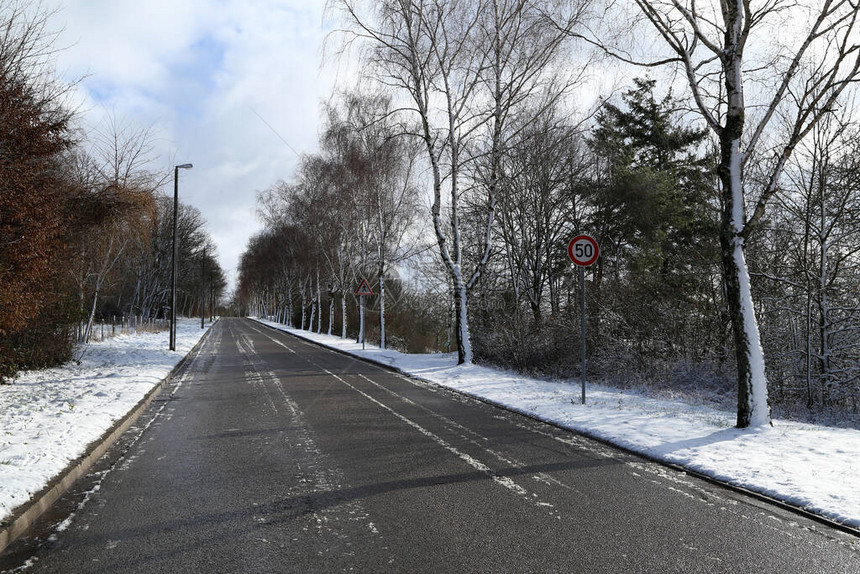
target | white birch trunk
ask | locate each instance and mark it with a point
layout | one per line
(343, 315)
(304, 309)
(319, 304)
(758, 396)
(313, 314)
(331, 315)
(381, 311)
(89, 327)
(753, 408)
(289, 321)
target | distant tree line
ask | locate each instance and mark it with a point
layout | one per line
(85, 234)
(349, 214)
(727, 214)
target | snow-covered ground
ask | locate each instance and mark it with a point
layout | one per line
(48, 417)
(813, 467)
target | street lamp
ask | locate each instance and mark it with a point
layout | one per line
(175, 248)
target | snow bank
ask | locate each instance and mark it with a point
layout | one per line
(49, 417)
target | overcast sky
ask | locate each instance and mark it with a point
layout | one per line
(203, 73)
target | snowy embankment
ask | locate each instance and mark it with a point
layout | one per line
(48, 417)
(813, 467)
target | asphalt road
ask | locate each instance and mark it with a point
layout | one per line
(270, 454)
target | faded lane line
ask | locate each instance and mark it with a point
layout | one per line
(252, 375)
(575, 441)
(540, 477)
(284, 345)
(293, 351)
(476, 464)
(473, 437)
(321, 475)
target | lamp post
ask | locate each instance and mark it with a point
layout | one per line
(175, 249)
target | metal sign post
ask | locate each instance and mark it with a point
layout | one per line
(583, 251)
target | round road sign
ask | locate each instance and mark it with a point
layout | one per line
(583, 250)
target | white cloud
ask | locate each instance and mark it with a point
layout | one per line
(200, 72)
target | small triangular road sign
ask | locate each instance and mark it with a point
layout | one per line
(363, 288)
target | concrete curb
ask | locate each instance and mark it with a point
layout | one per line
(25, 515)
(784, 505)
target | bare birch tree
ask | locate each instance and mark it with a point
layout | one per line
(121, 185)
(380, 162)
(464, 65)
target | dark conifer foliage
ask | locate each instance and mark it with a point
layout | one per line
(657, 215)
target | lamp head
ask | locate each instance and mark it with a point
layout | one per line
(184, 166)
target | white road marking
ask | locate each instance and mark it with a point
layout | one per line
(322, 476)
(478, 440)
(476, 464)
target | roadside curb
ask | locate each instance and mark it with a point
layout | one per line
(26, 514)
(782, 504)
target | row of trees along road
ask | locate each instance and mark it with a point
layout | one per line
(84, 233)
(346, 216)
(732, 181)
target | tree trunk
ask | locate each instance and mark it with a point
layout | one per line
(381, 311)
(290, 307)
(319, 303)
(810, 391)
(331, 315)
(88, 330)
(753, 409)
(343, 315)
(824, 311)
(464, 343)
(304, 310)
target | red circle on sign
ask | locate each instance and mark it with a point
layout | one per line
(583, 250)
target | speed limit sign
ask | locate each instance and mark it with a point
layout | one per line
(583, 250)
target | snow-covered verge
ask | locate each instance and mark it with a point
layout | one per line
(48, 417)
(813, 467)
